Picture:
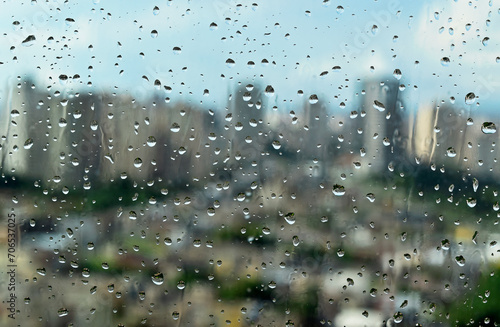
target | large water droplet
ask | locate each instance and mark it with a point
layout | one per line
(471, 202)
(397, 74)
(157, 278)
(445, 61)
(151, 142)
(175, 127)
(29, 41)
(338, 190)
(469, 98)
(460, 260)
(28, 143)
(290, 218)
(313, 99)
(269, 91)
(450, 152)
(62, 312)
(137, 162)
(398, 317)
(488, 128)
(378, 105)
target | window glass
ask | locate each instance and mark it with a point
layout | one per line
(267, 163)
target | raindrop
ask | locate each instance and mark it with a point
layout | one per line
(28, 143)
(157, 278)
(469, 98)
(460, 260)
(486, 128)
(398, 317)
(450, 152)
(445, 61)
(137, 162)
(269, 91)
(29, 41)
(475, 184)
(154, 34)
(370, 197)
(175, 128)
(156, 10)
(62, 312)
(471, 202)
(313, 99)
(276, 144)
(290, 218)
(230, 63)
(338, 190)
(151, 142)
(181, 285)
(397, 74)
(485, 41)
(378, 105)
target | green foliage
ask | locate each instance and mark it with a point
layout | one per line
(478, 307)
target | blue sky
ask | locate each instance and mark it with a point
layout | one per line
(300, 40)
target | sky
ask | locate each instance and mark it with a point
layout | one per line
(320, 47)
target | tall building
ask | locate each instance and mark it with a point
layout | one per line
(382, 124)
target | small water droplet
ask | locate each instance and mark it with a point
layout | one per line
(276, 144)
(156, 10)
(370, 197)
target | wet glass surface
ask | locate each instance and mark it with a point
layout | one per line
(285, 163)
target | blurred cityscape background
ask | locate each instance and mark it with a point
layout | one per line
(157, 213)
